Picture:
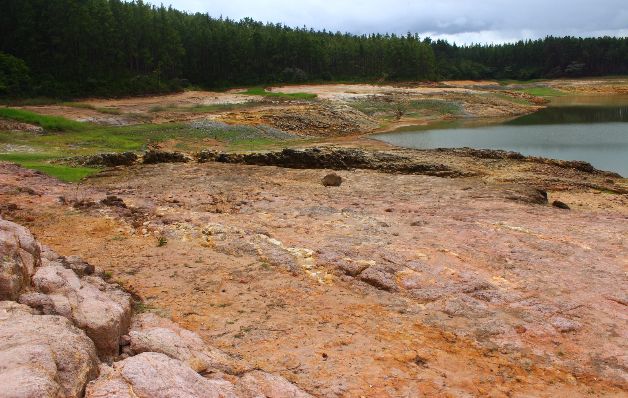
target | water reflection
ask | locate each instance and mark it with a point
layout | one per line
(574, 114)
(596, 134)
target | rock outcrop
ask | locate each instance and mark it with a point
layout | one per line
(261, 384)
(155, 156)
(43, 355)
(19, 256)
(99, 308)
(150, 333)
(104, 159)
(336, 159)
(155, 375)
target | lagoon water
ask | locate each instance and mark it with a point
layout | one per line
(593, 129)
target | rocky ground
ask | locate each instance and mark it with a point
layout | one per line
(340, 267)
(425, 273)
(59, 319)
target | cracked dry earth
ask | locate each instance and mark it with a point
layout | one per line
(387, 286)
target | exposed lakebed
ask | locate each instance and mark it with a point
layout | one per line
(593, 129)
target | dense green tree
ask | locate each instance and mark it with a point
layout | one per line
(14, 76)
(114, 47)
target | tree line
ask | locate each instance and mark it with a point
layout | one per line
(67, 48)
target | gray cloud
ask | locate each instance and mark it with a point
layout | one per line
(463, 21)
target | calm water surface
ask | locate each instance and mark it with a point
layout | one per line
(593, 129)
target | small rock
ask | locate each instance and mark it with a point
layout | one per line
(352, 267)
(48, 254)
(560, 205)
(332, 180)
(40, 302)
(78, 265)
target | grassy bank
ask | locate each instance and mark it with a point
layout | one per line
(41, 162)
(542, 91)
(66, 138)
(261, 91)
(47, 122)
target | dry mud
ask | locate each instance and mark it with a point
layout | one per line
(390, 285)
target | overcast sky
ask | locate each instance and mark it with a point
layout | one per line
(462, 21)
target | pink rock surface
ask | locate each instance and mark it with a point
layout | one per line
(155, 375)
(152, 333)
(261, 384)
(19, 255)
(99, 308)
(42, 355)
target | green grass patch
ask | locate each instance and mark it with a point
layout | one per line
(43, 148)
(54, 123)
(506, 82)
(542, 91)
(41, 162)
(520, 101)
(37, 151)
(262, 91)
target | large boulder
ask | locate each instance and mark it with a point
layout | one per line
(101, 309)
(150, 333)
(155, 375)
(19, 256)
(42, 355)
